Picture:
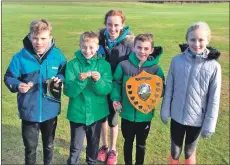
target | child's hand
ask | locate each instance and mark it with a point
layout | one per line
(31, 84)
(95, 76)
(164, 120)
(205, 134)
(23, 87)
(82, 76)
(117, 106)
(56, 80)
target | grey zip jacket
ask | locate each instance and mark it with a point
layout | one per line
(192, 93)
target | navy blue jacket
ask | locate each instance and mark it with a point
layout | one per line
(35, 105)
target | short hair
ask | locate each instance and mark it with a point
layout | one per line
(144, 37)
(115, 13)
(89, 35)
(198, 25)
(40, 25)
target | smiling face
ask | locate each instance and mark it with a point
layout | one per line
(198, 40)
(114, 26)
(89, 48)
(143, 49)
(41, 41)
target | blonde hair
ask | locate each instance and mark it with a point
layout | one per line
(89, 35)
(144, 37)
(40, 25)
(198, 25)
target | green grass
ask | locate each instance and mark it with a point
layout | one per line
(168, 23)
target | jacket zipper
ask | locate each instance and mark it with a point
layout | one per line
(190, 74)
(40, 89)
(40, 94)
(47, 76)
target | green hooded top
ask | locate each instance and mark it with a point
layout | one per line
(125, 70)
(87, 99)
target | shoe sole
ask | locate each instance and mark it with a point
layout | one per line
(112, 163)
(101, 160)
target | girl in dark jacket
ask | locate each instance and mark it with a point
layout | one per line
(116, 40)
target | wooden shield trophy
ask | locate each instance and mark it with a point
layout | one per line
(144, 91)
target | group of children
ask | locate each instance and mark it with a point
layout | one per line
(95, 81)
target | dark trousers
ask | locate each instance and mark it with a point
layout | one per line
(129, 131)
(78, 133)
(30, 136)
(178, 132)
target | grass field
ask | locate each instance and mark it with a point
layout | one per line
(168, 22)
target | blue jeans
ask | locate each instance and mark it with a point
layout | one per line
(78, 133)
(30, 136)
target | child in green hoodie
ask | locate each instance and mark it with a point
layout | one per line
(87, 84)
(134, 122)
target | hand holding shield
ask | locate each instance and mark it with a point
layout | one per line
(117, 106)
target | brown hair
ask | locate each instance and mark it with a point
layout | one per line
(198, 25)
(40, 25)
(86, 36)
(115, 13)
(144, 37)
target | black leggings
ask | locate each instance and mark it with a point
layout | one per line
(178, 131)
(130, 130)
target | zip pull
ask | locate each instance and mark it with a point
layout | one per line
(47, 76)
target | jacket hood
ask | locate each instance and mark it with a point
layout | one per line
(153, 58)
(128, 39)
(213, 52)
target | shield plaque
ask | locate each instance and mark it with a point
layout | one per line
(144, 91)
(54, 89)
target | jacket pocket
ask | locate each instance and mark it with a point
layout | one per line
(20, 99)
(51, 69)
(25, 100)
(50, 98)
(203, 112)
